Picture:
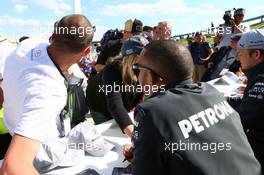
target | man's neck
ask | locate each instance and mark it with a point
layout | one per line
(237, 22)
(61, 59)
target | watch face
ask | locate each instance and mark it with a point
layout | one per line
(88, 172)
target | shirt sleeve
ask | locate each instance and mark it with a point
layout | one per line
(147, 146)
(252, 105)
(209, 46)
(43, 102)
(246, 28)
(113, 78)
(102, 58)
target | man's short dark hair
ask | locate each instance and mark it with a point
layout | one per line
(73, 33)
(169, 59)
(23, 38)
(147, 28)
(239, 11)
(198, 33)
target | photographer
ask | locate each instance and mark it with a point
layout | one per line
(231, 26)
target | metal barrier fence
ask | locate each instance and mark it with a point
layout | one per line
(209, 30)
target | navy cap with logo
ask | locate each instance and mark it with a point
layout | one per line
(134, 45)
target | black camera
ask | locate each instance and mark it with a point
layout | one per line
(228, 16)
(110, 35)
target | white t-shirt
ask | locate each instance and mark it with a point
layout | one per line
(6, 47)
(226, 32)
(34, 92)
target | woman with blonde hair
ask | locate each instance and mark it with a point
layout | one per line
(112, 93)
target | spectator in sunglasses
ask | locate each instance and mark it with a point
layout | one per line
(239, 27)
(175, 129)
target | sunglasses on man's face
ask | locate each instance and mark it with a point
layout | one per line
(136, 70)
(240, 15)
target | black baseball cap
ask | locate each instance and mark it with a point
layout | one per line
(137, 26)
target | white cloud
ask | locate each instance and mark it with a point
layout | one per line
(9, 21)
(19, 1)
(256, 10)
(159, 8)
(17, 27)
(100, 30)
(184, 17)
(57, 6)
(20, 7)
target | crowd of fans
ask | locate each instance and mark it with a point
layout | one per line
(139, 69)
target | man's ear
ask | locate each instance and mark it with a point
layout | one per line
(257, 55)
(52, 37)
(86, 51)
(154, 78)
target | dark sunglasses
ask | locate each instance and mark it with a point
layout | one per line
(239, 14)
(136, 70)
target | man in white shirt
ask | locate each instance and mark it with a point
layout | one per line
(35, 93)
(232, 26)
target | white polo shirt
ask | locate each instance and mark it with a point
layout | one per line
(34, 92)
(226, 32)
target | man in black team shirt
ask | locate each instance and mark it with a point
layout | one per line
(251, 55)
(188, 129)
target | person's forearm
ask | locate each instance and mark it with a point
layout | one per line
(117, 110)
(18, 169)
(20, 156)
(209, 56)
(129, 130)
(99, 67)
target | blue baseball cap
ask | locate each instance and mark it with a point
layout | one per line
(253, 39)
(134, 45)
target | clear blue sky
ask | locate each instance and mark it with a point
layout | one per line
(36, 17)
